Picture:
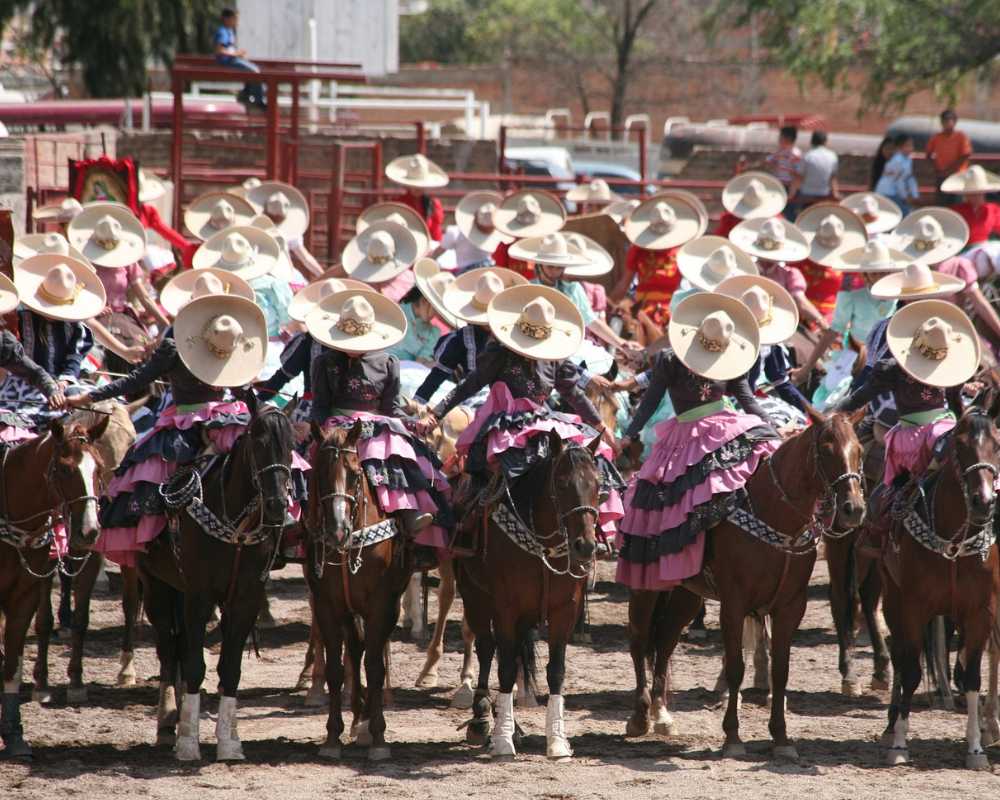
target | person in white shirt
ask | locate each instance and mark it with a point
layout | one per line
(816, 175)
(473, 238)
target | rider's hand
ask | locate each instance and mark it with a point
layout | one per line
(426, 424)
(58, 400)
(77, 400)
(630, 344)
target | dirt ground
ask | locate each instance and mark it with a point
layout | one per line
(105, 748)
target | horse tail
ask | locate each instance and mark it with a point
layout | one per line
(657, 623)
(529, 660)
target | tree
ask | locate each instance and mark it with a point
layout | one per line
(886, 49)
(442, 33)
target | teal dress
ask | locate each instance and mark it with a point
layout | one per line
(420, 339)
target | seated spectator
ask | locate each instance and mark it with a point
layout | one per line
(983, 218)
(229, 55)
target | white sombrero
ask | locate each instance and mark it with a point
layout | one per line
(692, 200)
(469, 296)
(662, 222)
(974, 180)
(433, 282)
(241, 189)
(529, 213)
(222, 339)
(401, 214)
(194, 283)
(770, 239)
(8, 295)
(308, 297)
(875, 256)
(917, 282)
(831, 231)
(246, 251)
(108, 236)
(63, 211)
(552, 250)
(60, 288)
(620, 210)
(595, 193)
(379, 253)
(877, 211)
(357, 322)
(151, 188)
(284, 204)
(714, 336)
(212, 212)
(935, 342)
(474, 218)
(537, 322)
(417, 171)
(33, 244)
(772, 305)
(931, 235)
(284, 265)
(709, 260)
(754, 195)
(599, 261)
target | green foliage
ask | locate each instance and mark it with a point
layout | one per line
(444, 33)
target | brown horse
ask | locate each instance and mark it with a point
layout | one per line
(812, 474)
(526, 574)
(360, 567)
(43, 481)
(948, 566)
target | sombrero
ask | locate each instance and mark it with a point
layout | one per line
(32, 244)
(284, 204)
(754, 195)
(417, 171)
(714, 336)
(537, 322)
(433, 282)
(875, 256)
(107, 235)
(357, 321)
(245, 250)
(8, 295)
(552, 250)
(620, 210)
(194, 283)
(222, 339)
(770, 239)
(241, 189)
(59, 288)
(692, 200)
(931, 235)
(284, 266)
(595, 193)
(469, 295)
(212, 212)
(974, 180)
(308, 297)
(709, 260)
(877, 211)
(529, 213)
(474, 218)
(379, 253)
(773, 307)
(917, 282)
(935, 342)
(401, 214)
(662, 222)
(831, 231)
(599, 261)
(63, 211)
(151, 188)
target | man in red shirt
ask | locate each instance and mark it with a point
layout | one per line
(983, 218)
(948, 151)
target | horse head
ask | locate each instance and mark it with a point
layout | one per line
(74, 477)
(976, 449)
(269, 442)
(574, 495)
(340, 481)
(838, 464)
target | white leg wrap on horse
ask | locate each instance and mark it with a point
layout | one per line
(556, 743)
(230, 747)
(976, 757)
(502, 739)
(187, 748)
(13, 686)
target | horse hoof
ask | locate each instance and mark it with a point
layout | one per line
(886, 739)
(786, 752)
(636, 726)
(76, 695)
(977, 761)
(166, 737)
(428, 680)
(380, 752)
(558, 749)
(734, 750)
(362, 736)
(331, 752)
(849, 688)
(187, 749)
(464, 697)
(41, 696)
(879, 685)
(230, 750)
(477, 733)
(664, 729)
(315, 699)
(125, 679)
(896, 756)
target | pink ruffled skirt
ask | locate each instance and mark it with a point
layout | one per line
(910, 448)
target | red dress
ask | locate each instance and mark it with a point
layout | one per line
(429, 208)
(822, 285)
(983, 221)
(727, 222)
(502, 259)
(658, 280)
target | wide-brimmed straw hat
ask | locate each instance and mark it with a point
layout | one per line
(474, 218)
(619, 210)
(380, 252)
(529, 213)
(8, 295)
(401, 214)
(194, 283)
(357, 321)
(469, 295)
(935, 342)
(714, 336)
(108, 235)
(246, 251)
(241, 189)
(754, 195)
(552, 250)
(222, 339)
(151, 188)
(63, 211)
(284, 204)
(772, 305)
(599, 261)
(877, 211)
(931, 235)
(709, 260)
(771, 239)
(417, 171)
(662, 222)
(974, 180)
(875, 256)
(537, 322)
(52, 243)
(308, 297)
(692, 200)
(212, 212)
(59, 287)
(433, 282)
(831, 231)
(595, 193)
(917, 282)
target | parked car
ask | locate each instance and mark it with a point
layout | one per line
(550, 162)
(588, 170)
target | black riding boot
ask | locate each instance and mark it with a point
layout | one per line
(11, 730)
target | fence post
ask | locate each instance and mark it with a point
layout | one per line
(177, 149)
(334, 204)
(272, 129)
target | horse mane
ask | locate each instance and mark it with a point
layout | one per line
(524, 490)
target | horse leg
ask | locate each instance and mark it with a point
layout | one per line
(41, 693)
(161, 608)
(732, 618)
(906, 664)
(378, 630)
(502, 740)
(331, 629)
(355, 691)
(465, 693)
(20, 609)
(83, 588)
(446, 595)
(758, 644)
(977, 634)
(992, 705)
(841, 564)
(674, 613)
(870, 591)
(478, 730)
(387, 698)
(641, 607)
(784, 622)
(524, 685)
(197, 609)
(561, 625)
(130, 608)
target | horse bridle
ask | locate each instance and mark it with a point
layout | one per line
(562, 516)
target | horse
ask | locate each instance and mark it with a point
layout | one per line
(229, 522)
(758, 564)
(945, 562)
(64, 462)
(360, 566)
(528, 573)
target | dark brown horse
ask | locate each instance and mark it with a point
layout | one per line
(185, 576)
(44, 481)
(947, 567)
(527, 573)
(813, 474)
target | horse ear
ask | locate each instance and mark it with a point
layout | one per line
(555, 442)
(96, 431)
(857, 417)
(57, 429)
(356, 431)
(249, 396)
(994, 406)
(293, 404)
(317, 431)
(814, 414)
(594, 444)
